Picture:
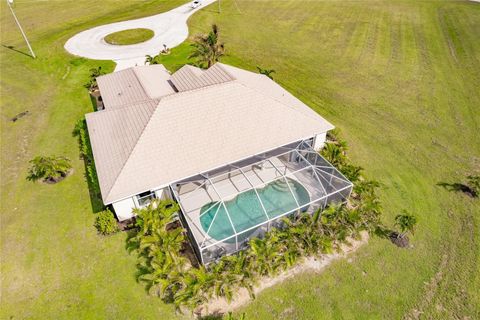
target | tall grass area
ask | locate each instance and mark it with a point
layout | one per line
(400, 78)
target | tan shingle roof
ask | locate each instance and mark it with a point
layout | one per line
(134, 85)
(113, 134)
(141, 147)
(189, 77)
(154, 80)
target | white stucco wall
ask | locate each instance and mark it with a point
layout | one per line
(319, 141)
(163, 193)
(123, 209)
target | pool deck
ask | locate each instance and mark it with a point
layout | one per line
(229, 185)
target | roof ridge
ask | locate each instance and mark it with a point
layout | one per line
(128, 105)
(131, 151)
(140, 81)
(173, 94)
(187, 79)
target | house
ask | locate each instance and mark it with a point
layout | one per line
(235, 149)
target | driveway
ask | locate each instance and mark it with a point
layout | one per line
(170, 28)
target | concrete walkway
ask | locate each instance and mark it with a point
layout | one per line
(170, 28)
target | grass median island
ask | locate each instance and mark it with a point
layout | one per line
(130, 36)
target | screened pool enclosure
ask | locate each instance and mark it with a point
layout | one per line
(224, 208)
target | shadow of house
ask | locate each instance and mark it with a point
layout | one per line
(80, 131)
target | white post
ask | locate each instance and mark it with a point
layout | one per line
(9, 2)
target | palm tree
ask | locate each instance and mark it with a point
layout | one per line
(371, 213)
(190, 293)
(351, 172)
(406, 222)
(266, 256)
(334, 153)
(267, 72)
(152, 59)
(207, 47)
(161, 274)
(50, 169)
(365, 188)
(240, 265)
(158, 247)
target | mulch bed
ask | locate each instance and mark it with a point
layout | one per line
(57, 180)
(126, 225)
(398, 240)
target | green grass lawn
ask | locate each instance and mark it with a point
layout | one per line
(400, 78)
(130, 36)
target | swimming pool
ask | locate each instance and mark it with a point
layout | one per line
(246, 210)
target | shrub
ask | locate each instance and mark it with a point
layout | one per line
(92, 85)
(106, 223)
(81, 132)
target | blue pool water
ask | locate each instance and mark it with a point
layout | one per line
(246, 211)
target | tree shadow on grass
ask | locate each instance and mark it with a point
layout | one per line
(458, 187)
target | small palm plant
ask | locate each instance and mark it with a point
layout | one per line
(49, 169)
(152, 59)
(406, 222)
(208, 48)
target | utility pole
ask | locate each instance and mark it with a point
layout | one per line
(9, 3)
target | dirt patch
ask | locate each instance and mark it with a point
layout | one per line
(316, 264)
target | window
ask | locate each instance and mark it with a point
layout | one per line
(144, 198)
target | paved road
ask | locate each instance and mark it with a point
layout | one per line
(170, 28)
